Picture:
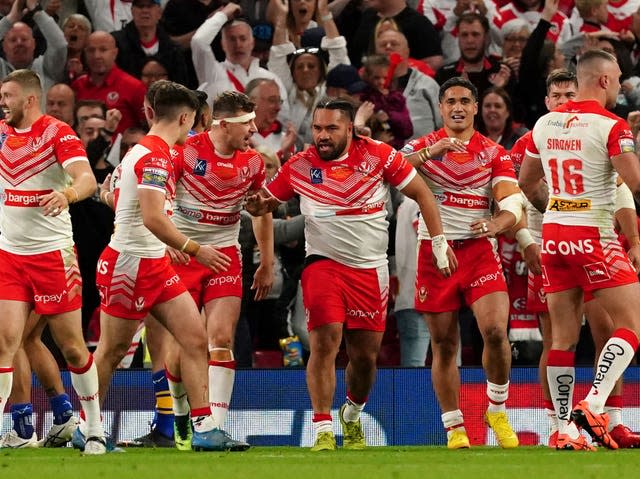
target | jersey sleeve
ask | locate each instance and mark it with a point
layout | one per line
(396, 170)
(280, 187)
(260, 176)
(620, 139)
(532, 148)
(68, 147)
(502, 167)
(178, 160)
(518, 151)
(414, 145)
(153, 171)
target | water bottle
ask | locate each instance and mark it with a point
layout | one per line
(292, 355)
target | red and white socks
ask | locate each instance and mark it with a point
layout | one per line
(498, 395)
(222, 375)
(322, 423)
(452, 420)
(614, 359)
(353, 407)
(85, 383)
(561, 375)
(6, 383)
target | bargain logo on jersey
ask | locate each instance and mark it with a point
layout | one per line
(559, 204)
(472, 202)
(24, 198)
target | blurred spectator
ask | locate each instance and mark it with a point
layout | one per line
(181, 19)
(343, 81)
(422, 37)
(18, 45)
(495, 120)
(482, 71)
(60, 103)
(85, 109)
(530, 11)
(444, 15)
(107, 83)
(239, 66)
(514, 36)
(420, 90)
(304, 75)
(271, 134)
(144, 37)
(76, 29)
(153, 70)
(389, 24)
(109, 16)
(391, 113)
(539, 58)
(299, 18)
(412, 328)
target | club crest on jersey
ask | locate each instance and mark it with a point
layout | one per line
(36, 143)
(200, 167)
(364, 168)
(316, 176)
(112, 97)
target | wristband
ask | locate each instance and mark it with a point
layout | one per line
(524, 238)
(71, 194)
(326, 17)
(439, 248)
(190, 247)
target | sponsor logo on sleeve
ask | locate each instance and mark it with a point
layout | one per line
(156, 177)
(316, 176)
(559, 204)
(627, 145)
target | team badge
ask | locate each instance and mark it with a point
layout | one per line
(316, 176)
(112, 97)
(200, 167)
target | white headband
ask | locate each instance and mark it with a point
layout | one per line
(236, 119)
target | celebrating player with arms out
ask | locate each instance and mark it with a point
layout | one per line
(343, 183)
(214, 174)
(466, 171)
(43, 168)
(576, 148)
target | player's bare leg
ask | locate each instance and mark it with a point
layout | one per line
(66, 329)
(363, 347)
(445, 342)
(324, 342)
(492, 313)
(222, 316)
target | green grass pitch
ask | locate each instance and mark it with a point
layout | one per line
(299, 463)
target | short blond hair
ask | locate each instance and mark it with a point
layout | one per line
(27, 79)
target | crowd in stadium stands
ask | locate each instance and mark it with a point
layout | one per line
(97, 58)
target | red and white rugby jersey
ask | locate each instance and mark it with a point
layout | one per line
(343, 200)
(462, 183)
(147, 165)
(211, 189)
(534, 217)
(560, 26)
(32, 163)
(575, 143)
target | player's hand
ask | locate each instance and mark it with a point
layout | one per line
(445, 145)
(53, 203)
(178, 257)
(256, 205)
(262, 281)
(213, 258)
(484, 228)
(531, 256)
(634, 257)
